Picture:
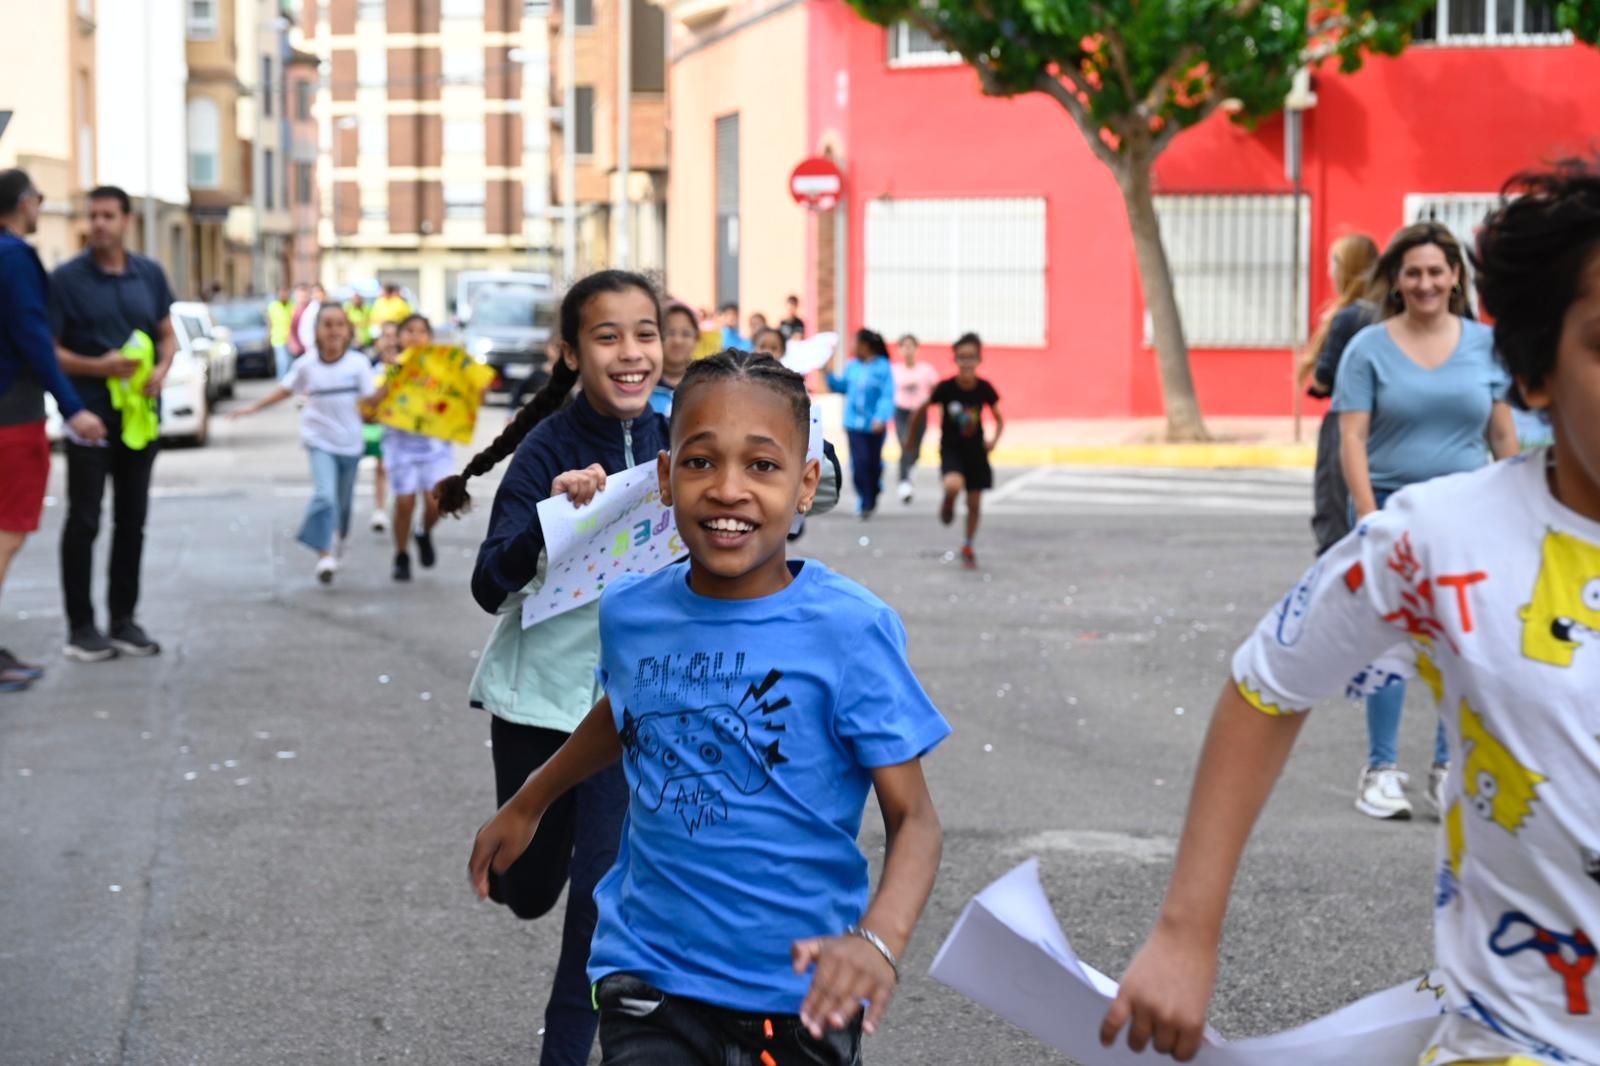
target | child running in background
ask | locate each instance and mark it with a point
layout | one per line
(416, 464)
(774, 343)
(385, 350)
(334, 380)
(868, 387)
(1495, 574)
(539, 683)
(680, 334)
(737, 926)
(913, 388)
(963, 446)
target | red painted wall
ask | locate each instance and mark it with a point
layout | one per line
(1434, 120)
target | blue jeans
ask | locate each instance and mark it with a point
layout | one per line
(333, 490)
(866, 468)
(1385, 706)
(281, 359)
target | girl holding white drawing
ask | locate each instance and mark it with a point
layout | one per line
(539, 683)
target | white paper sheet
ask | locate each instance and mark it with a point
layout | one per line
(625, 529)
(1007, 952)
(803, 355)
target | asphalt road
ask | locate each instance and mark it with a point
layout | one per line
(250, 849)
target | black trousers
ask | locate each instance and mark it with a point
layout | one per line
(576, 841)
(88, 470)
(643, 1026)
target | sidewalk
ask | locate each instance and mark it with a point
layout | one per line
(1236, 442)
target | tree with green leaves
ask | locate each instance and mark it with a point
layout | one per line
(1134, 74)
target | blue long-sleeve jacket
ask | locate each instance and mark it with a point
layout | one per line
(868, 394)
(571, 439)
(26, 346)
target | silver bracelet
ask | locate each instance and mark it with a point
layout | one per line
(877, 941)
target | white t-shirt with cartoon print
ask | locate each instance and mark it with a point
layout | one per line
(1497, 587)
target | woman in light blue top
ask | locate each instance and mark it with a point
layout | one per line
(1419, 395)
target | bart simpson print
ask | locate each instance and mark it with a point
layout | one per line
(1498, 787)
(1565, 611)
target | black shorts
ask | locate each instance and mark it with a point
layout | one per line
(974, 469)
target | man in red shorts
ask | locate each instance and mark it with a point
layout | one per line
(28, 367)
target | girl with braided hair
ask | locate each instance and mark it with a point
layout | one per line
(538, 683)
(752, 700)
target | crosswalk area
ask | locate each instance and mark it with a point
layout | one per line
(1124, 490)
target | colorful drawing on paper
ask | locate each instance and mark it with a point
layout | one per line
(435, 392)
(626, 529)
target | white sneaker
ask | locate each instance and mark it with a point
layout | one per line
(327, 566)
(906, 491)
(1437, 776)
(380, 521)
(1381, 794)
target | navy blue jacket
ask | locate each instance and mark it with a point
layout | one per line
(574, 437)
(27, 351)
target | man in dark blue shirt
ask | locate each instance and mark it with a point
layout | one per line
(28, 367)
(97, 302)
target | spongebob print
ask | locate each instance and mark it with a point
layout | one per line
(1498, 788)
(1565, 610)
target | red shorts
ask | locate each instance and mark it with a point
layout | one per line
(24, 470)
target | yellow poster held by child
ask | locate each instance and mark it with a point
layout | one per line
(435, 392)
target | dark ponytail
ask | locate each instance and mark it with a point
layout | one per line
(452, 491)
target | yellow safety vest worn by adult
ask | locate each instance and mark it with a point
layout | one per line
(359, 318)
(280, 320)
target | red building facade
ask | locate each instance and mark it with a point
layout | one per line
(991, 214)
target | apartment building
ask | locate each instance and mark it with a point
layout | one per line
(432, 157)
(301, 81)
(599, 183)
(47, 107)
(263, 222)
(218, 159)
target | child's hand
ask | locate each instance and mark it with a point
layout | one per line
(500, 842)
(580, 485)
(849, 970)
(1164, 996)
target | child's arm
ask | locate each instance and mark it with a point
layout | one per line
(849, 968)
(277, 395)
(836, 382)
(999, 426)
(593, 746)
(1167, 987)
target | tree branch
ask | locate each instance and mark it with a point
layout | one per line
(1172, 129)
(1065, 95)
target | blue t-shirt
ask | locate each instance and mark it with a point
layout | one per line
(1425, 423)
(750, 729)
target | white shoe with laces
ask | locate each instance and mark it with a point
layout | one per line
(380, 521)
(327, 566)
(1437, 776)
(907, 490)
(1381, 794)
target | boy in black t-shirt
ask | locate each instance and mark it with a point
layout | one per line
(963, 448)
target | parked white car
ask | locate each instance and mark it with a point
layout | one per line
(185, 397)
(192, 323)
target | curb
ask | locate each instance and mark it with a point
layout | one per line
(1195, 456)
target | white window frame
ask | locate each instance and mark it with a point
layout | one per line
(201, 27)
(938, 268)
(372, 67)
(1243, 318)
(458, 10)
(1491, 37)
(901, 54)
(465, 200)
(201, 131)
(372, 11)
(472, 129)
(372, 139)
(454, 71)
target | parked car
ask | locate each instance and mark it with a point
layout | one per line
(243, 323)
(473, 285)
(185, 401)
(192, 323)
(508, 326)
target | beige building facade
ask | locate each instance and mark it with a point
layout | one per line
(263, 223)
(218, 159)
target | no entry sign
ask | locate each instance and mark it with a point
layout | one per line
(816, 183)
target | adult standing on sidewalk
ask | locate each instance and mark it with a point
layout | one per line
(1420, 395)
(28, 368)
(1354, 256)
(98, 301)
(280, 322)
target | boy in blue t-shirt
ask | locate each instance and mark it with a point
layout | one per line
(753, 702)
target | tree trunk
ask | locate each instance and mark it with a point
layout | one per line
(1184, 422)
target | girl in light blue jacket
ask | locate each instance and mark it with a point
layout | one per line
(868, 387)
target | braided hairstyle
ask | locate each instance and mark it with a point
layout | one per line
(734, 364)
(1533, 254)
(452, 491)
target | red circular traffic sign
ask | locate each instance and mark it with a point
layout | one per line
(816, 183)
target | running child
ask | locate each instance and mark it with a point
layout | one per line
(416, 464)
(752, 701)
(539, 683)
(868, 387)
(334, 380)
(774, 343)
(963, 445)
(1495, 577)
(914, 383)
(385, 350)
